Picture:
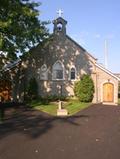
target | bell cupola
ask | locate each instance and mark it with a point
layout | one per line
(60, 24)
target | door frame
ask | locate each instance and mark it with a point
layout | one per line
(102, 98)
(111, 82)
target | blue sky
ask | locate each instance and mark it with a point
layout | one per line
(90, 22)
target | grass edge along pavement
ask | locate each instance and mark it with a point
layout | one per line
(119, 101)
(72, 105)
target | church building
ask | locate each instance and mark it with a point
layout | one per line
(60, 62)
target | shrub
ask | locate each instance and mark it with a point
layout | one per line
(46, 100)
(84, 89)
(32, 89)
(119, 90)
(77, 88)
(52, 98)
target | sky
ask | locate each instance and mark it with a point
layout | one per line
(90, 23)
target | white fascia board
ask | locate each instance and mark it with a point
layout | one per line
(107, 71)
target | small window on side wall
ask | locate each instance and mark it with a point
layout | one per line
(72, 73)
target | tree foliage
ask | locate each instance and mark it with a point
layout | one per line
(119, 90)
(20, 28)
(84, 89)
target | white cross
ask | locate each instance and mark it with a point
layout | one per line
(60, 12)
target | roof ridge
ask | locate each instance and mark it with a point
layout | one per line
(108, 71)
(81, 47)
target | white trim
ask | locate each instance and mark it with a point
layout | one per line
(107, 71)
(58, 61)
(43, 72)
(111, 103)
(43, 68)
(11, 65)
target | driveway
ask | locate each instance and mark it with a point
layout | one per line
(93, 133)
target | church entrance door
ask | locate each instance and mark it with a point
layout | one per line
(108, 92)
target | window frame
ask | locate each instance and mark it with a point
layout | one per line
(44, 71)
(63, 70)
(72, 67)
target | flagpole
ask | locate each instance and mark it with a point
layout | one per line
(106, 54)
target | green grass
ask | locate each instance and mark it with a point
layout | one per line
(119, 101)
(72, 105)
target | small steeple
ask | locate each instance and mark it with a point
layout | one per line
(60, 24)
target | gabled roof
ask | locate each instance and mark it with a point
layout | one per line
(59, 19)
(107, 71)
(80, 47)
(11, 65)
(117, 74)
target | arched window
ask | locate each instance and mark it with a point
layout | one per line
(57, 70)
(72, 73)
(44, 72)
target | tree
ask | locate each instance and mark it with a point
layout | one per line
(84, 89)
(32, 89)
(20, 28)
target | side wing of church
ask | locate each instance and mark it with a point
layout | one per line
(60, 62)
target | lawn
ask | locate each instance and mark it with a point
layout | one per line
(72, 105)
(119, 101)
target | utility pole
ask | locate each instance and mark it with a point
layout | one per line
(106, 54)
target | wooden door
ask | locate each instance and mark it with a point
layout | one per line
(108, 92)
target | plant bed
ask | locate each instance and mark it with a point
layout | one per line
(72, 105)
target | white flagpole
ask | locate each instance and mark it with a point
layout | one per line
(106, 54)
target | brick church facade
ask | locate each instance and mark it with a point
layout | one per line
(60, 62)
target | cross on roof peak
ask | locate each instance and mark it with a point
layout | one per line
(60, 13)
